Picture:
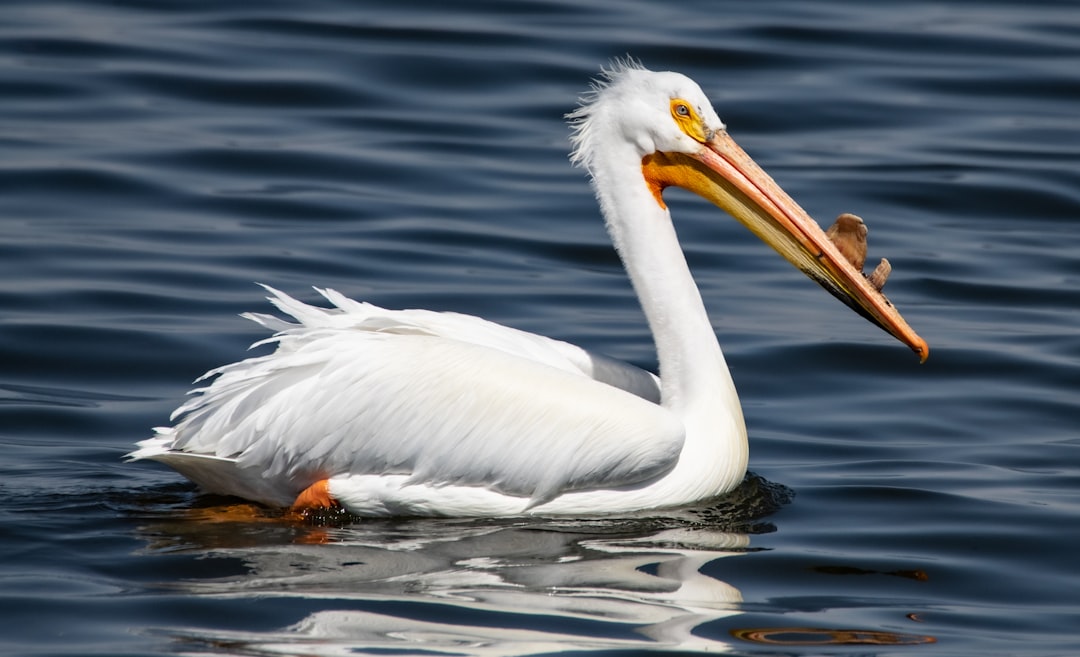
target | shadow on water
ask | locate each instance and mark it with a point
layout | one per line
(476, 587)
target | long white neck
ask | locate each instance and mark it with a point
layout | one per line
(695, 382)
(692, 367)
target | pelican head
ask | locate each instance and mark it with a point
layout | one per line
(664, 123)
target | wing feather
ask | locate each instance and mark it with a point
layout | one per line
(350, 314)
(359, 390)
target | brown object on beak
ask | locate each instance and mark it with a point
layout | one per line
(848, 233)
(880, 273)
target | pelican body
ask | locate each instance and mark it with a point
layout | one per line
(412, 412)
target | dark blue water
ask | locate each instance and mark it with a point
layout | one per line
(158, 158)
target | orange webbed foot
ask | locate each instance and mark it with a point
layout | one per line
(315, 496)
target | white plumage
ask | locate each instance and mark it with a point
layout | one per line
(420, 413)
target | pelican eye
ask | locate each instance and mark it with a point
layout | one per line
(688, 120)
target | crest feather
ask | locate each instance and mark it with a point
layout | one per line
(579, 119)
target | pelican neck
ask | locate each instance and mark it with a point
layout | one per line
(692, 366)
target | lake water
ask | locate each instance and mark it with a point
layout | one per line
(158, 158)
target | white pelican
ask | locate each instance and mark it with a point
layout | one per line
(413, 412)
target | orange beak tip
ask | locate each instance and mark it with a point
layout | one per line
(922, 349)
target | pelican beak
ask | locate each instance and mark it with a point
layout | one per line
(724, 174)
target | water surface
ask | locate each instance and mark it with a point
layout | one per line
(159, 158)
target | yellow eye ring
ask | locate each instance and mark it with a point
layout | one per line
(688, 120)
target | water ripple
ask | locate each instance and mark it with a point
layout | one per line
(161, 158)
